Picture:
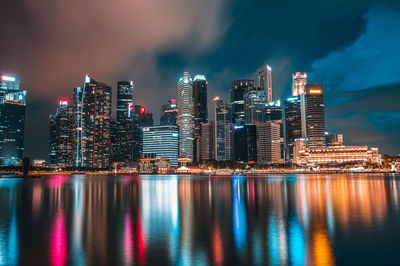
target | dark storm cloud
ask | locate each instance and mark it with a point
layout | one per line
(52, 44)
(368, 117)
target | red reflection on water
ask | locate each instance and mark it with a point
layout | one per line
(218, 247)
(57, 181)
(128, 240)
(58, 240)
(141, 244)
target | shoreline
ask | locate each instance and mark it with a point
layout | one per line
(251, 174)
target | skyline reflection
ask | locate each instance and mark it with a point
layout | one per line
(196, 220)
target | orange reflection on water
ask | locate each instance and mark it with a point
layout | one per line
(322, 249)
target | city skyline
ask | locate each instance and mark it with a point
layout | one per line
(364, 109)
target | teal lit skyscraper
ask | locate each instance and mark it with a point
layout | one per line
(12, 121)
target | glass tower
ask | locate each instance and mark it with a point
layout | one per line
(12, 122)
(264, 78)
(92, 106)
(185, 119)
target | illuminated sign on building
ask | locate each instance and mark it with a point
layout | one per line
(7, 78)
(314, 91)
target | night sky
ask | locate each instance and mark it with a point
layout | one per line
(351, 47)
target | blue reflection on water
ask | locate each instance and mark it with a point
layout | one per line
(78, 254)
(239, 214)
(297, 245)
(273, 241)
(9, 243)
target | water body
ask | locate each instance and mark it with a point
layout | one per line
(189, 220)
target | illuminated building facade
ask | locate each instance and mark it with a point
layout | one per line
(299, 81)
(238, 88)
(314, 111)
(223, 126)
(185, 119)
(208, 141)
(61, 135)
(255, 100)
(336, 155)
(12, 123)
(269, 142)
(200, 111)
(264, 78)
(169, 113)
(245, 143)
(163, 141)
(292, 125)
(93, 114)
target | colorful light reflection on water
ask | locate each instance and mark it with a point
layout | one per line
(299, 220)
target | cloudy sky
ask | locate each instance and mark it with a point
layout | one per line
(351, 47)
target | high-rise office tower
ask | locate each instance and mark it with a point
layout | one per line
(269, 142)
(8, 84)
(12, 122)
(273, 111)
(238, 88)
(124, 99)
(314, 115)
(122, 128)
(245, 143)
(223, 126)
(138, 113)
(299, 80)
(185, 119)
(93, 109)
(292, 124)
(163, 141)
(169, 113)
(114, 142)
(207, 141)
(200, 111)
(255, 100)
(61, 135)
(264, 78)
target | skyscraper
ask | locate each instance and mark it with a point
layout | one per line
(200, 111)
(61, 135)
(169, 113)
(8, 84)
(124, 99)
(268, 140)
(223, 126)
(238, 88)
(163, 141)
(208, 141)
(185, 119)
(93, 108)
(122, 128)
(264, 78)
(273, 111)
(314, 115)
(255, 100)
(245, 143)
(12, 122)
(292, 122)
(299, 80)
